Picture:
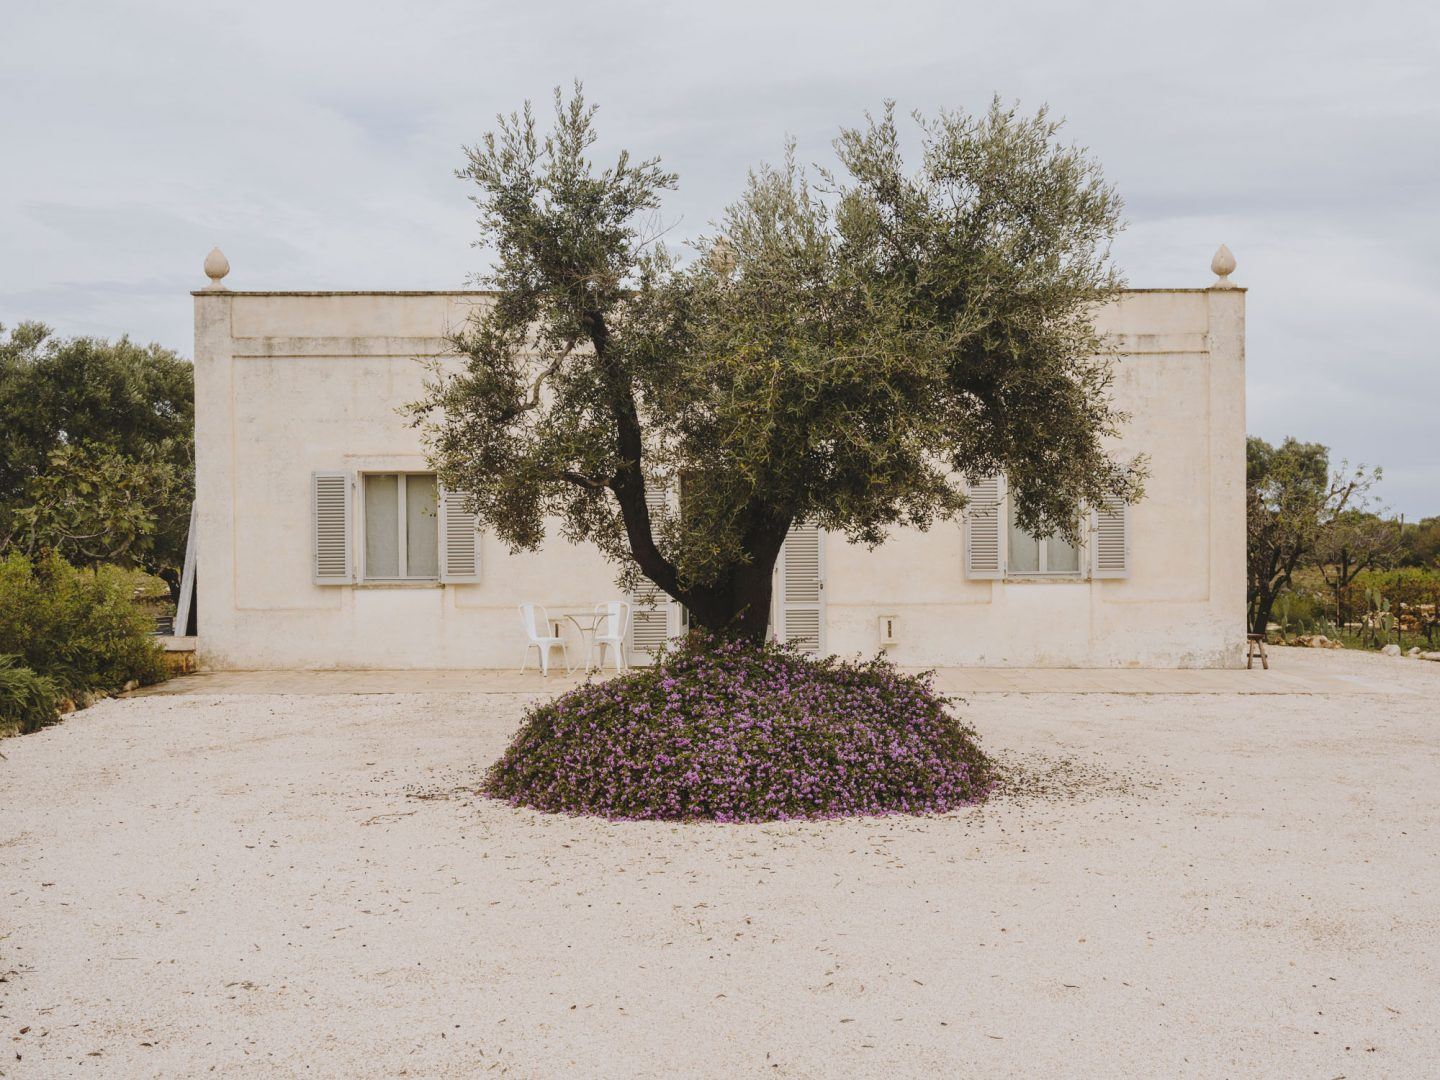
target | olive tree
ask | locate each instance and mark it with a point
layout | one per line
(850, 349)
(1296, 507)
(1357, 540)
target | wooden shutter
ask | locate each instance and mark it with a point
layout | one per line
(654, 615)
(1110, 551)
(985, 530)
(802, 588)
(331, 498)
(459, 539)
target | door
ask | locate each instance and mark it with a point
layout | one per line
(800, 590)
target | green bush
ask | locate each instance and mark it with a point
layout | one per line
(81, 628)
(1300, 611)
(28, 701)
(1400, 605)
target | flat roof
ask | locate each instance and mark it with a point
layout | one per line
(492, 292)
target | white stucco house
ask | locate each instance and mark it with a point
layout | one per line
(323, 543)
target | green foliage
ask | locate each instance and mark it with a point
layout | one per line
(1402, 604)
(28, 701)
(1356, 540)
(1420, 543)
(1399, 605)
(1300, 611)
(849, 353)
(82, 628)
(93, 505)
(1295, 506)
(1406, 583)
(96, 449)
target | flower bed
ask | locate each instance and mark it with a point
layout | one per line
(731, 731)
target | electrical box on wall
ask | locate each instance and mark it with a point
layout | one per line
(889, 630)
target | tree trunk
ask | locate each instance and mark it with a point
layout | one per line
(752, 591)
(171, 577)
(739, 604)
(1342, 580)
(1264, 601)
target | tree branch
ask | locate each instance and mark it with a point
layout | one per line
(628, 483)
(587, 482)
(549, 370)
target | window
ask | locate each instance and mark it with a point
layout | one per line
(401, 527)
(996, 547)
(1051, 556)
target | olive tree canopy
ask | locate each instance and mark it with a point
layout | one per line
(849, 349)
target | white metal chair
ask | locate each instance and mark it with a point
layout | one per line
(542, 640)
(610, 630)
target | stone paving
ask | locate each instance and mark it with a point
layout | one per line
(1292, 671)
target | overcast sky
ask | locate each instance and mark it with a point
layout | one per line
(315, 143)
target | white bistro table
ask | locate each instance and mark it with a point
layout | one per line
(587, 624)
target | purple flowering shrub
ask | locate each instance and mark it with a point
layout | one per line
(724, 730)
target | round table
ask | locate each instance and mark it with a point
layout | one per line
(587, 633)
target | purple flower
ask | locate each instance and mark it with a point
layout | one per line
(729, 731)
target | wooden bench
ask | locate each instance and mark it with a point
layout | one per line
(1256, 646)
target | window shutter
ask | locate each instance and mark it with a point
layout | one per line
(984, 530)
(459, 539)
(330, 498)
(802, 586)
(1111, 558)
(654, 615)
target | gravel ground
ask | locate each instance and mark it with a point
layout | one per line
(1213, 885)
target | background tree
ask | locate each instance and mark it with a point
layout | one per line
(1293, 504)
(1420, 543)
(96, 449)
(93, 506)
(1356, 540)
(848, 354)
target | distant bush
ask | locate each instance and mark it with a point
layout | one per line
(1300, 611)
(1379, 607)
(27, 701)
(81, 628)
(1409, 584)
(729, 731)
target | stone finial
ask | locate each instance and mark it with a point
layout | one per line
(1223, 264)
(216, 267)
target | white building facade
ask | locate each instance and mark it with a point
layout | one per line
(322, 541)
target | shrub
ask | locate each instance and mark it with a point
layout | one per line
(82, 628)
(1300, 611)
(730, 731)
(27, 701)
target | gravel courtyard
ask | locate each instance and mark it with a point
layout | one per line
(1214, 885)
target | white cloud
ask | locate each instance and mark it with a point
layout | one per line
(315, 143)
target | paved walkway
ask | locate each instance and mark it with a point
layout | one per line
(1291, 672)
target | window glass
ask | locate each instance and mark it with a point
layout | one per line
(402, 526)
(1061, 557)
(1024, 551)
(382, 526)
(1035, 555)
(421, 526)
